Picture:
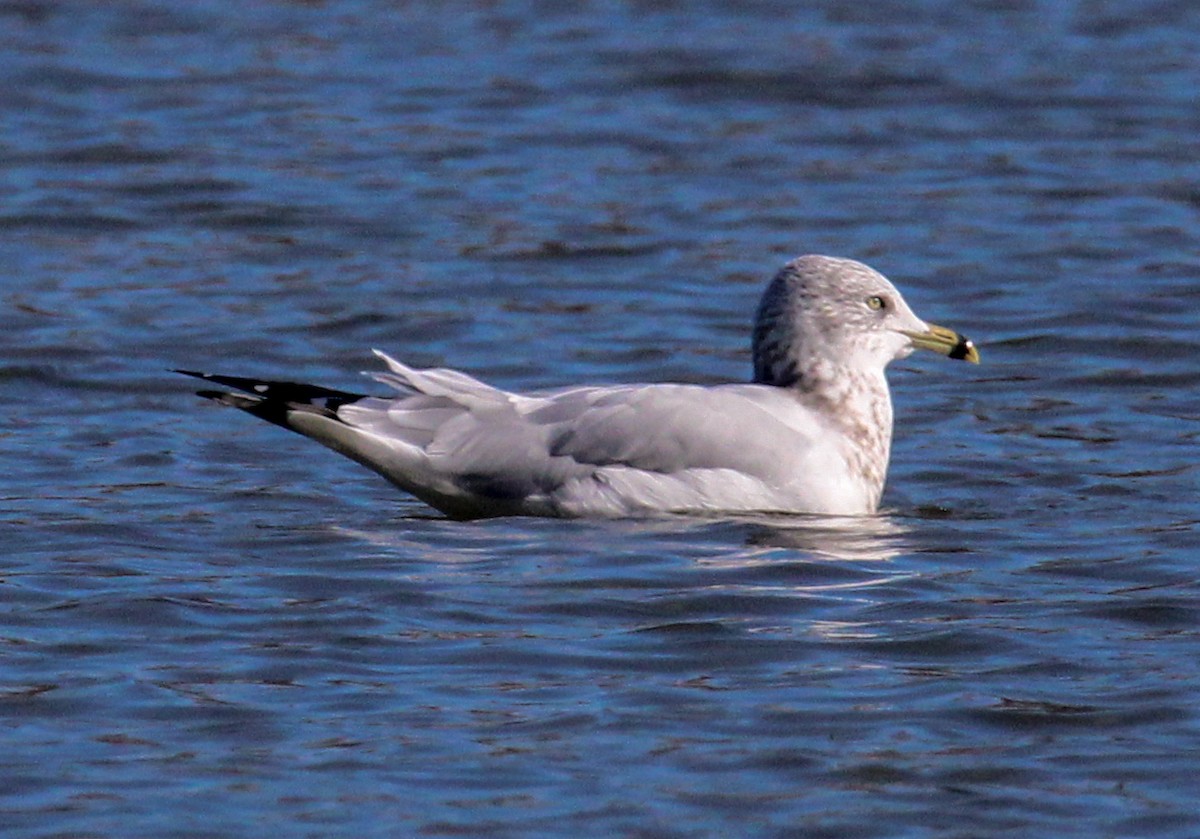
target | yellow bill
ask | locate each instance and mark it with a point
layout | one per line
(945, 341)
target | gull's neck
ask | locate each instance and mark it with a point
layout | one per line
(858, 405)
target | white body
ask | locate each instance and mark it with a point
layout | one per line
(470, 449)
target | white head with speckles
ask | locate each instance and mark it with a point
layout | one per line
(824, 313)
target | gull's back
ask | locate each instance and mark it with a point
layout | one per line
(473, 450)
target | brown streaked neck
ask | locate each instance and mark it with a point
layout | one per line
(855, 403)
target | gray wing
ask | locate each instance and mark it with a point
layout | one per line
(473, 450)
(470, 446)
(691, 448)
(664, 429)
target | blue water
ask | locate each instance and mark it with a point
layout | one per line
(209, 627)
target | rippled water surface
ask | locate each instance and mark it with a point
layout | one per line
(210, 627)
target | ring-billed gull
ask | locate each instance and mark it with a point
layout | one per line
(810, 434)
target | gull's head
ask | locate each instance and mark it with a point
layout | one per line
(823, 312)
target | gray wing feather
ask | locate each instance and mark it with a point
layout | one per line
(501, 445)
(471, 449)
(671, 428)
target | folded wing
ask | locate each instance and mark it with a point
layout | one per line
(470, 449)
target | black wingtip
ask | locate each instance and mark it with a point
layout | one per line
(280, 391)
(271, 410)
(274, 401)
(218, 395)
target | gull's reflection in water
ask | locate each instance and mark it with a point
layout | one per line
(876, 538)
(741, 541)
(828, 566)
(831, 566)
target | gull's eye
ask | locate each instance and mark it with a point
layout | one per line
(877, 303)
